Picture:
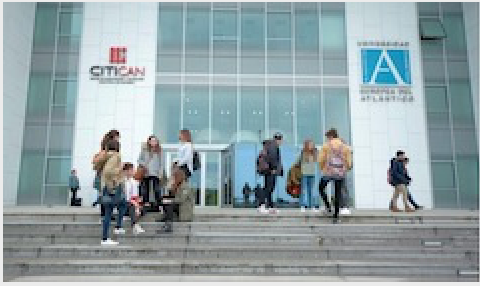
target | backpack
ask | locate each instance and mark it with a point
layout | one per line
(262, 165)
(196, 161)
(335, 162)
(389, 176)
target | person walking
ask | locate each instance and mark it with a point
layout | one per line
(151, 159)
(400, 181)
(308, 159)
(274, 168)
(74, 185)
(409, 195)
(334, 160)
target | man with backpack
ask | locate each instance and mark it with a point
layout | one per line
(409, 195)
(399, 179)
(269, 165)
(335, 160)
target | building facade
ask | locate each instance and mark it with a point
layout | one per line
(388, 76)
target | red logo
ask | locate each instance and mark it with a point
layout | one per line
(118, 55)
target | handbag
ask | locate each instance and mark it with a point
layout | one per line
(293, 190)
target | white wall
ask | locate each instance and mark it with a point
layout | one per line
(379, 129)
(471, 13)
(18, 23)
(128, 108)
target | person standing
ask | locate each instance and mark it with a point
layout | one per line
(400, 181)
(275, 168)
(74, 185)
(151, 159)
(334, 160)
(308, 158)
(246, 194)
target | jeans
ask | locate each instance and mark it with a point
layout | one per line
(306, 194)
(338, 190)
(132, 213)
(117, 199)
(270, 181)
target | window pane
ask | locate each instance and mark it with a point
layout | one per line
(307, 42)
(432, 49)
(224, 115)
(434, 71)
(197, 63)
(58, 171)
(211, 183)
(169, 63)
(225, 23)
(309, 115)
(35, 137)
(65, 92)
(455, 42)
(467, 168)
(440, 141)
(436, 98)
(253, 113)
(335, 66)
(280, 102)
(458, 70)
(279, 25)
(170, 27)
(462, 107)
(68, 44)
(197, 29)
(252, 41)
(196, 113)
(56, 195)
(61, 140)
(45, 26)
(337, 113)
(428, 9)
(70, 24)
(66, 65)
(31, 178)
(443, 175)
(431, 29)
(38, 97)
(333, 33)
(225, 57)
(465, 141)
(167, 112)
(279, 57)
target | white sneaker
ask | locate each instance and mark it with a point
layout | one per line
(345, 211)
(137, 229)
(109, 242)
(302, 209)
(315, 210)
(262, 209)
(119, 231)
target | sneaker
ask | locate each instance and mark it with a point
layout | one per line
(273, 211)
(327, 212)
(109, 242)
(302, 209)
(345, 211)
(137, 229)
(119, 231)
(315, 210)
(262, 209)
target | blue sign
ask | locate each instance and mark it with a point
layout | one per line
(386, 67)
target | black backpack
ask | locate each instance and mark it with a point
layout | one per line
(196, 161)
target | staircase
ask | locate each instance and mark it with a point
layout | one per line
(427, 245)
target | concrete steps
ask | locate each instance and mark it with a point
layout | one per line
(432, 246)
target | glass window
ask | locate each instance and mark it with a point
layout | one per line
(458, 70)
(68, 44)
(307, 42)
(67, 65)
(224, 23)
(167, 112)
(58, 170)
(61, 140)
(337, 113)
(170, 28)
(436, 99)
(56, 195)
(332, 30)
(465, 141)
(285, 6)
(169, 63)
(432, 49)
(467, 168)
(197, 38)
(45, 27)
(64, 92)
(70, 24)
(279, 25)
(224, 115)
(455, 42)
(42, 63)
(280, 101)
(252, 41)
(440, 143)
(428, 8)
(225, 57)
(211, 183)
(38, 98)
(309, 121)
(252, 119)
(431, 29)
(444, 192)
(196, 113)
(31, 178)
(434, 71)
(279, 57)
(197, 63)
(461, 100)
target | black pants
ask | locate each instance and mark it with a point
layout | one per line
(74, 196)
(338, 193)
(270, 181)
(147, 184)
(410, 199)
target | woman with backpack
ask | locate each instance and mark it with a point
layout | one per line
(307, 162)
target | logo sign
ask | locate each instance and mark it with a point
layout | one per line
(117, 72)
(386, 71)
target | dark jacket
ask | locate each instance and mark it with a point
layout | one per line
(398, 173)
(273, 157)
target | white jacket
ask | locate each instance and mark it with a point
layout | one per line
(131, 188)
(185, 155)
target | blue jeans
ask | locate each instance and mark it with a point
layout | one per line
(118, 200)
(306, 195)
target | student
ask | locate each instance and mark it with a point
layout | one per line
(410, 198)
(274, 169)
(112, 193)
(151, 159)
(400, 181)
(344, 194)
(74, 185)
(258, 194)
(246, 194)
(335, 160)
(181, 171)
(308, 158)
(134, 201)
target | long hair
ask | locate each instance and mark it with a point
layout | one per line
(151, 148)
(186, 135)
(110, 135)
(307, 151)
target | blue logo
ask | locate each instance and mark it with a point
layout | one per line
(386, 67)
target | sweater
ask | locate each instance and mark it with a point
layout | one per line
(325, 151)
(111, 176)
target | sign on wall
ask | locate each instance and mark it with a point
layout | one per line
(117, 72)
(386, 71)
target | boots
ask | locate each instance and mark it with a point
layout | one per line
(395, 209)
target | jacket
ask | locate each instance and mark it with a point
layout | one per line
(112, 172)
(273, 157)
(152, 163)
(185, 155)
(73, 182)
(323, 154)
(398, 173)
